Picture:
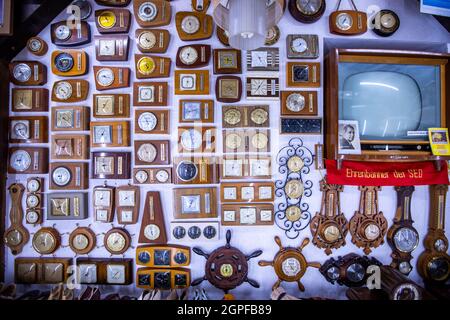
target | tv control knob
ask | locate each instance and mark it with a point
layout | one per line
(419, 147)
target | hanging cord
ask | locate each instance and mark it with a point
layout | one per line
(352, 2)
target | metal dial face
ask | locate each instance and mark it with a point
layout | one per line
(295, 164)
(44, 242)
(209, 232)
(148, 11)
(188, 55)
(233, 141)
(190, 24)
(294, 189)
(187, 171)
(63, 90)
(147, 121)
(440, 245)
(299, 45)
(232, 116)
(333, 273)
(32, 217)
(356, 272)
(35, 45)
(61, 176)
(405, 267)
(152, 232)
(126, 198)
(80, 242)
(406, 291)
(309, 7)
(260, 141)
(13, 238)
(371, 232)
(226, 270)
(191, 139)
(291, 267)
(64, 62)
(295, 102)
(388, 20)
(20, 130)
(179, 232)
(32, 201)
(259, 116)
(147, 40)
(63, 32)
(331, 233)
(22, 72)
(141, 176)
(147, 152)
(116, 242)
(105, 77)
(162, 176)
(344, 21)
(293, 213)
(102, 198)
(33, 185)
(20, 160)
(406, 239)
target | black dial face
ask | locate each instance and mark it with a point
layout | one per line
(144, 257)
(144, 280)
(438, 269)
(162, 257)
(356, 272)
(186, 171)
(180, 280)
(162, 280)
(289, 125)
(194, 232)
(386, 23)
(64, 62)
(179, 232)
(209, 232)
(180, 258)
(300, 73)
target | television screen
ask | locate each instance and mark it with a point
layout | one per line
(390, 101)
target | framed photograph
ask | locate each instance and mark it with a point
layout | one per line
(439, 141)
(437, 7)
(349, 142)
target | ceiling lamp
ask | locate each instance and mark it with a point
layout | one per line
(247, 21)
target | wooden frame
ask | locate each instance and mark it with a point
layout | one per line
(163, 14)
(380, 56)
(119, 164)
(80, 63)
(152, 250)
(203, 56)
(109, 209)
(39, 275)
(39, 160)
(206, 25)
(359, 25)
(79, 147)
(162, 125)
(145, 278)
(162, 152)
(245, 140)
(122, 15)
(134, 209)
(119, 134)
(102, 264)
(120, 45)
(29, 100)
(272, 85)
(37, 129)
(235, 192)
(233, 65)
(151, 175)
(203, 111)
(156, 94)
(313, 74)
(199, 78)
(38, 75)
(120, 105)
(79, 179)
(77, 205)
(80, 34)
(228, 89)
(161, 66)
(245, 167)
(209, 138)
(161, 37)
(78, 86)
(310, 103)
(205, 202)
(153, 229)
(121, 78)
(79, 121)
(272, 60)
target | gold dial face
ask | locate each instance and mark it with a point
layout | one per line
(146, 65)
(232, 116)
(233, 141)
(60, 207)
(331, 233)
(80, 242)
(13, 238)
(293, 213)
(226, 270)
(44, 242)
(23, 100)
(294, 189)
(371, 231)
(147, 40)
(116, 242)
(295, 164)
(107, 20)
(260, 141)
(259, 116)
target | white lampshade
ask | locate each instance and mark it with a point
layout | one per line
(247, 21)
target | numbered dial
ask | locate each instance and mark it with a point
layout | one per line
(147, 121)
(63, 90)
(105, 77)
(259, 116)
(20, 160)
(291, 267)
(61, 176)
(344, 21)
(147, 152)
(117, 241)
(299, 45)
(147, 40)
(32, 201)
(232, 116)
(191, 139)
(190, 24)
(107, 20)
(186, 171)
(152, 232)
(162, 176)
(32, 217)
(46, 240)
(146, 65)
(309, 7)
(141, 176)
(295, 102)
(22, 72)
(406, 240)
(33, 185)
(148, 11)
(188, 55)
(63, 32)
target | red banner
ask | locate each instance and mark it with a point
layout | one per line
(353, 173)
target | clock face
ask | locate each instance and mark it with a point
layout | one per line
(146, 94)
(260, 141)
(147, 40)
(88, 273)
(107, 47)
(226, 270)
(20, 160)
(291, 267)
(259, 59)
(233, 141)
(187, 171)
(35, 45)
(147, 121)
(107, 19)
(248, 215)
(44, 242)
(63, 32)
(258, 87)
(61, 176)
(32, 201)
(405, 267)
(232, 116)
(191, 139)
(32, 217)
(80, 242)
(60, 207)
(63, 90)
(295, 164)
(33, 185)
(406, 239)
(265, 193)
(188, 82)
(344, 21)
(259, 167)
(20, 129)
(151, 232)
(13, 238)
(299, 45)
(259, 116)
(179, 232)
(333, 273)
(295, 102)
(194, 232)
(115, 274)
(147, 152)
(126, 198)
(53, 272)
(293, 213)
(146, 65)
(105, 77)
(294, 189)
(23, 100)
(116, 242)
(266, 215)
(439, 268)
(190, 24)
(192, 111)
(141, 176)
(229, 216)
(102, 198)
(162, 176)
(190, 204)
(388, 20)
(188, 55)
(233, 168)
(309, 7)
(22, 72)
(372, 232)
(147, 11)
(356, 272)
(247, 193)
(331, 233)
(64, 118)
(230, 193)
(300, 74)
(104, 165)
(64, 62)
(105, 105)
(103, 134)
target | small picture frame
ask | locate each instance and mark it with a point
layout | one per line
(349, 142)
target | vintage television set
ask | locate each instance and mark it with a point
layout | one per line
(394, 95)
